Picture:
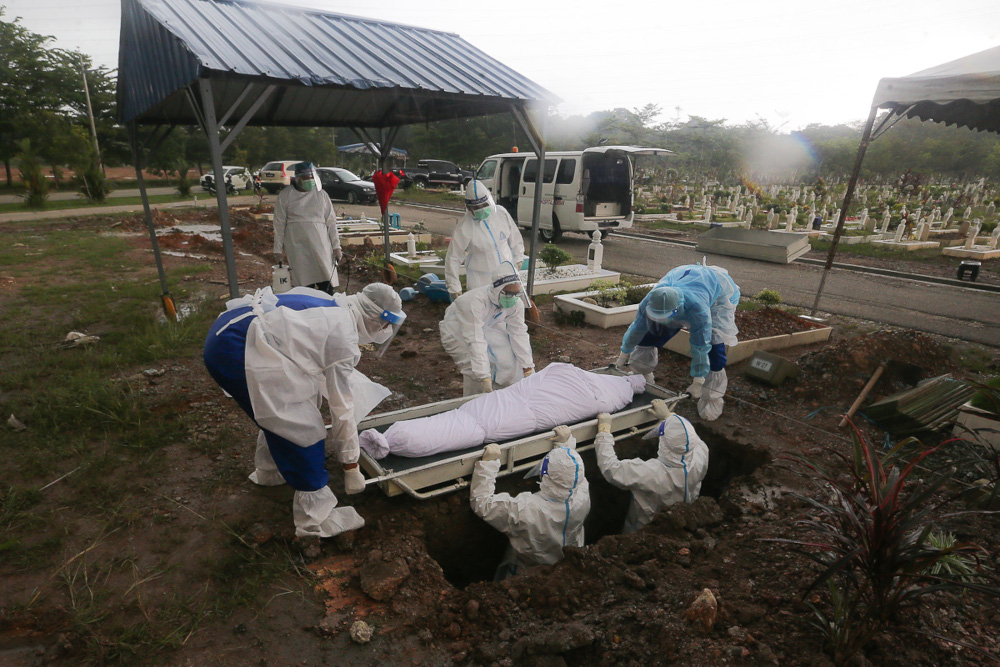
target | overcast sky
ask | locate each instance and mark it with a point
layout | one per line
(790, 62)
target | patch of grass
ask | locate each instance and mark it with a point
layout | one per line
(665, 224)
(84, 203)
(418, 196)
(878, 251)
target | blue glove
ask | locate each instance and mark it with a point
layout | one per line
(699, 360)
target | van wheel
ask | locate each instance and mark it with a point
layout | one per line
(605, 233)
(553, 235)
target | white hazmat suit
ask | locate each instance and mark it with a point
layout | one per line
(674, 476)
(538, 524)
(279, 357)
(488, 341)
(305, 229)
(482, 244)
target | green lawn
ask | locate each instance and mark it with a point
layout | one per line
(83, 203)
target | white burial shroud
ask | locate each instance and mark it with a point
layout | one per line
(558, 394)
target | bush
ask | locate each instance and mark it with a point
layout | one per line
(988, 397)
(36, 187)
(554, 257)
(183, 183)
(609, 294)
(768, 297)
(89, 177)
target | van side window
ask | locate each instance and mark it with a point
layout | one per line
(567, 169)
(487, 170)
(531, 168)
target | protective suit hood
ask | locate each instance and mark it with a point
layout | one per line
(504, 274)
(562, 472)
(664, 304)
(677, 437)
(477, 196)
(369, 308)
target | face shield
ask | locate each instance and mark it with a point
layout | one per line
(507, 286)
(393, 322)
(306, 178)
(477, 200)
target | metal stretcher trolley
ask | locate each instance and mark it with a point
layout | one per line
(437, 474)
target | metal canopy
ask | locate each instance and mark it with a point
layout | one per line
(210, 62)
(329, 69)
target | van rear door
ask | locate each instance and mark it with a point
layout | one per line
(608, 182)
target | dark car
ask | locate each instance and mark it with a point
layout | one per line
(433, 173)
(342, 184)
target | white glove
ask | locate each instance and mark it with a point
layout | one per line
(454, 295)
(529, 371)
(604, 423)
(354, 481)
(487, 385)
(562, 434)
(338, 255)
(491, 452)
(660, 409)
(696, 386)
(621, 362)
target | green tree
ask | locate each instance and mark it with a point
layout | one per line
(34, 79)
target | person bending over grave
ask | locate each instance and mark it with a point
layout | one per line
(674, 476)
(703, 300)
(557, 394)
(279, 356)
(538, 524)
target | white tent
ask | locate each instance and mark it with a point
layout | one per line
(963, 92)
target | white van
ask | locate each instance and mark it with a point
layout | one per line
(581, 190)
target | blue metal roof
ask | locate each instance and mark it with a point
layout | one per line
(331, 69)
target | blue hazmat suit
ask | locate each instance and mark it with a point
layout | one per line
(703, 300)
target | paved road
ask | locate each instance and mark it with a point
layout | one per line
(955, 312)
(134, 192)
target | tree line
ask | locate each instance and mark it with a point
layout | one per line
(43, 122)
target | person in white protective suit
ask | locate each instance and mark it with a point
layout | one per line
(279, 356)
(305, 231)
(674, 476)
(483, 239)
(485, 333)
(703, 300)
(538, 524)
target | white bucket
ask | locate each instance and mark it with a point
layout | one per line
(281, 279)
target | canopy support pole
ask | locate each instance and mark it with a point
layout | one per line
(212, 130)
(165, 298)
(387, 139)
(538, 144)
(246, 117)
(848, 196)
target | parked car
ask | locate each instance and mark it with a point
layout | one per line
(237, 178)
(429, 173)
(343, 184)
(276, 175)
(582, 191)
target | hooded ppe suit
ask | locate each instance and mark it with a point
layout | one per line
(702, 299)
(674, 476)
(538, 524)
(481, 244)
(486, 340)
(279, 356)
(305, 229)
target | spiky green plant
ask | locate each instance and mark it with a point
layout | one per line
(871, 534)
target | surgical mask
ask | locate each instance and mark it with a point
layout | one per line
(508, 300)
(308, 184)
(481, 214)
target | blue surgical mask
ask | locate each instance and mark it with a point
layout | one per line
(508, 300)
(481, 214)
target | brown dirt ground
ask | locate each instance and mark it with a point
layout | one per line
(427, 565)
